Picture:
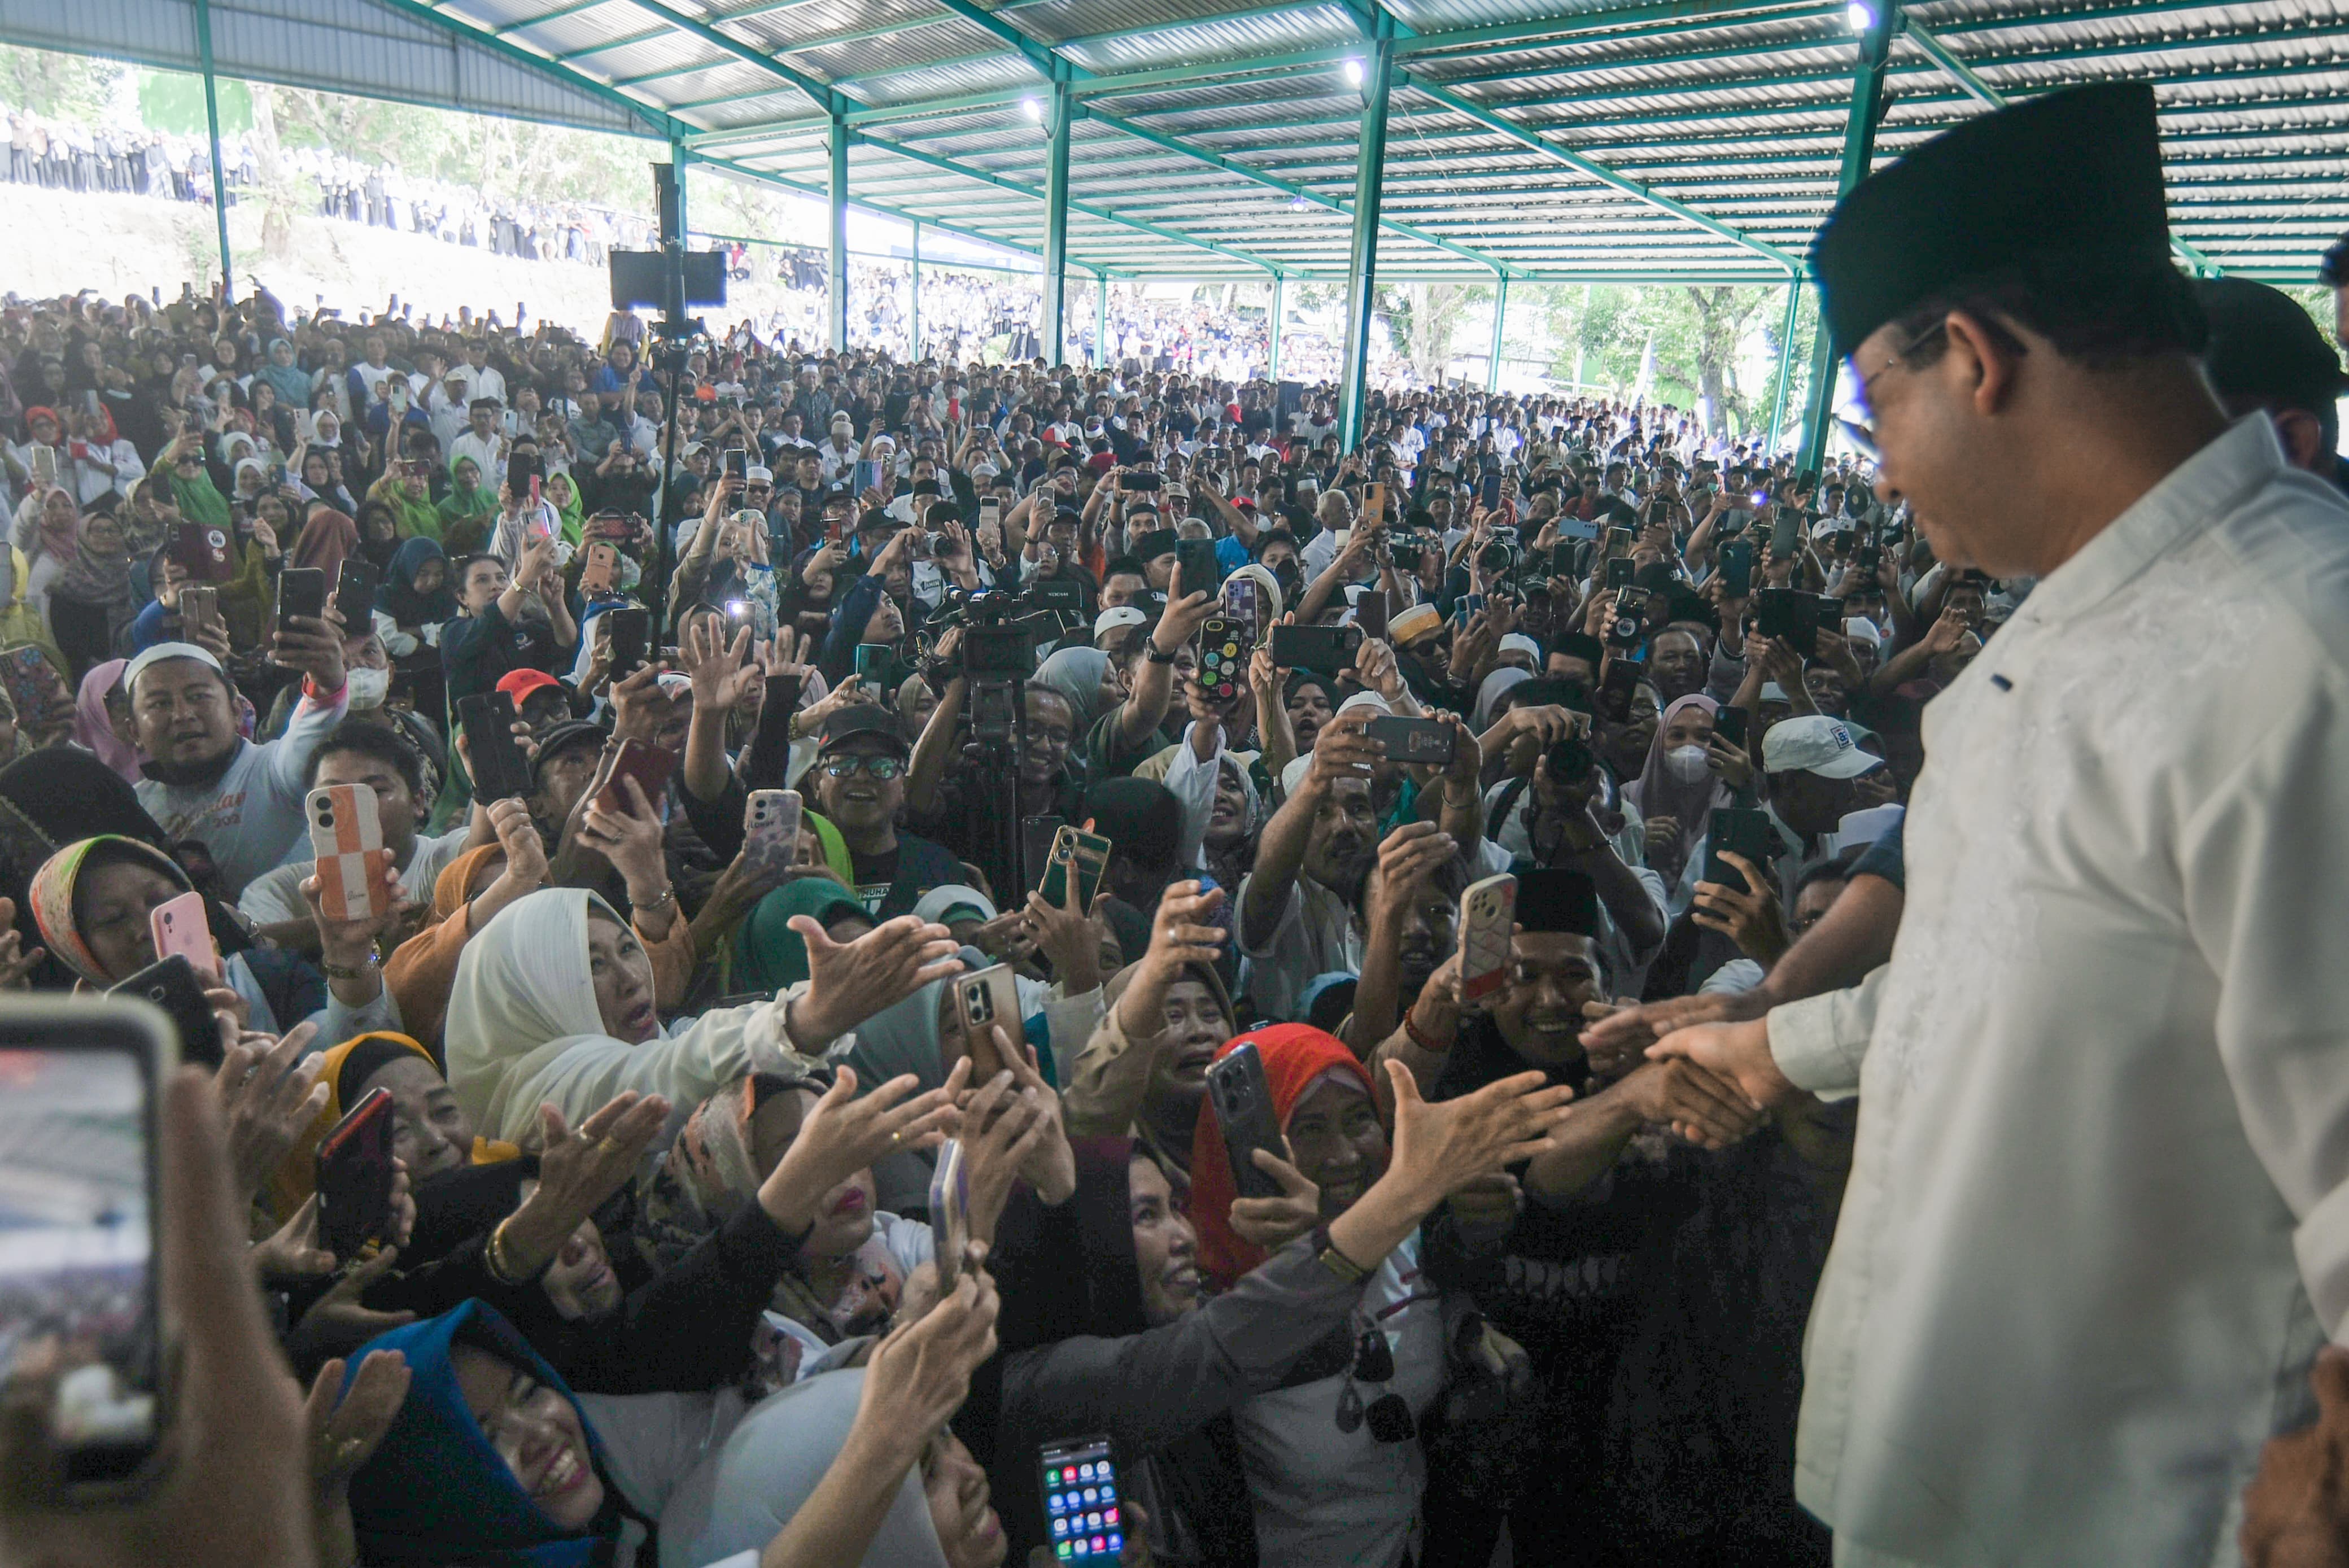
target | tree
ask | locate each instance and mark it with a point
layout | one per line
(58, 87)
(1721, 314)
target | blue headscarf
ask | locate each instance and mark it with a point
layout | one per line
(397, 595)
(437, 1491)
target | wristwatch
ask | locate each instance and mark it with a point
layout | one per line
(1154, 656)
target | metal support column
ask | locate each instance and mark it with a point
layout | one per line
(1100, 319)
(1056, 226)
(1858, 157)
(913, 338)
(1272, 324)
(836, 272)
(1500, 324)
(212, 121)
(1361, 269)
(1785, 361)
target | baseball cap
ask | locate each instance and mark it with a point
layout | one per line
(863, 719)
(1117, 616)
(520, 684)
(1815, 743)
(562, 738)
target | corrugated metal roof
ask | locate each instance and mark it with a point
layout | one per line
(1216, 136)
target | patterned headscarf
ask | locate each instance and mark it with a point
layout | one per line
(52, 897)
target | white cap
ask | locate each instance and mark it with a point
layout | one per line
(1369, 699)
(1117, 616)
(162, 651)
(1294, 774)
(1815, 743)
(1517, 642)
(1860, 629)
(756, 475)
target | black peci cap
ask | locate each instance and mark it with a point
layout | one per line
(2075, 173)
(1551, 899)
(2263, 345)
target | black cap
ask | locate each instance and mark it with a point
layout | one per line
(561, 738)
(1557, 899)
(863, 719)
(2075, 173)
(1581, 646)
(1139, 817)
(2264, 346)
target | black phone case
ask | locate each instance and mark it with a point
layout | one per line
(355, 595)
(1741, 831)
(631, 634)
(1242, 1102)
(355, 1182)
(301, 591)
(173, 985)
(1325, 650)
(500, 771)
(1196, 560)
(767, 765)
(1425, 741)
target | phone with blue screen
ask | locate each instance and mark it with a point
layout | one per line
(1084, 1517)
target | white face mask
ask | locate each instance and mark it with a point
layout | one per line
(368, 688)
(1689, 764)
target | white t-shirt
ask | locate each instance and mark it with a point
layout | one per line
(1332, 1498)
(1316, 935)
(274, 897)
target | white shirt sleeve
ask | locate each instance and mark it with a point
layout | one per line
(1193, 784)
(289, 754)
(1820, 1041)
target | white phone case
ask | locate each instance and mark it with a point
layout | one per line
(346, 837)
(1487, 912)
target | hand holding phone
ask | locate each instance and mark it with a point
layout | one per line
(180, 927)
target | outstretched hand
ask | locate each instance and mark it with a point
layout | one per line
(848, 982)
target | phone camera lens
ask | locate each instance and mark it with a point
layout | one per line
(326, 818)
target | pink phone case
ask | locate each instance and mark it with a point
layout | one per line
(771, 830)
(181, 930)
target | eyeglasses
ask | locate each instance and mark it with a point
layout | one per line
(1862, 434)
(1389, 1415)
(882, 768)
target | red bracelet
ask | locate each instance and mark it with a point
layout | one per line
(1410, 1028)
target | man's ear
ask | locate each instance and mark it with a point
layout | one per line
(1987, 359)
(2301, 435)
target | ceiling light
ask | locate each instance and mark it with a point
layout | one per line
(1353, 73)
(1860, 16)
(1035, 108)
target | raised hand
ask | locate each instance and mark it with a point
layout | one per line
(849, 982)
(844, 1133)
(268, 1092)
(577, 1173)
(1442, 1146)
(1272, 1223)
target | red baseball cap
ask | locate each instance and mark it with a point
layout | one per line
(519, 684)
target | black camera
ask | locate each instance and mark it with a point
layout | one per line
(1570, 762)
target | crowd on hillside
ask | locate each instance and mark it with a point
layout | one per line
(1181, 1094)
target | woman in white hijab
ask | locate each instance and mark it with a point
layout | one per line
(553, 1005)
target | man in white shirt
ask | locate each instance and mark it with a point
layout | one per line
(480, 379)
(377, 759)
(2098, 1220)
(482, 443)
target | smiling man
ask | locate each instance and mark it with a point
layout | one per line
(860, 783)
(2098, 1220)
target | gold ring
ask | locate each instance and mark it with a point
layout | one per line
(897, 1137)
(609, 1146)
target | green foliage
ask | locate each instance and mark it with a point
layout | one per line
(62, 86)
(173, 102)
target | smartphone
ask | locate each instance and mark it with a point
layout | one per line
(1490, 491)
(649, 766)
(1488, 911)
(1323, 649)
(1195, 560)
(1619, 541)
(601, 575)
(1374, 505)
(347, 839)
(179, 926)
(876, 664)
(1618, 573)
(1741, 831)
(1242, 1101)
(78, 1142)
(522, 469)
(771, 830)
(32, 682)
(985, 1002)
(203, 550)
(1561, 558)
(354, 594)
(1737, 568)
(494, 756)
(301, 591)
(990, 511)
(1223, 658)
(767, 763)
(868, 475)
(628, 638)
(1243, 604)
(1730, 724)
(1786, 532)
(1370, 613)
(1787, 615)
(199, 608)
(1427, 741)
(1618, 686)
(1087, 853)
(1036, 836)
(355, 1177)
(173, 985)
(1083, 1510)
(950, 1212)
(738, 464)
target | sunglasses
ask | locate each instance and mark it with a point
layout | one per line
(1388, 1415)
(882, 768)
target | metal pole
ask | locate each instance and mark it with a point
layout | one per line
(1056, 226)
(1361, 268)
(838, 270)
(1100, 319)
(212, 120)
(1581, 341)
(1785, 359)
(1858, 156)
(914, 341)
(1500, 320)
(1272, 333)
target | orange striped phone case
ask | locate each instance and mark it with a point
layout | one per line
(346, 837)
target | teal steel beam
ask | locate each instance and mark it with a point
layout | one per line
(1100, 319)
(1785, 361)
(1600, 171)
(654, 122)
(1859, 158)
(553, 15)
(1056, 226)
(1156, 29)
(1964, 75)
(1041, 56)
(1500, 330)
(212, 127)
(880, 113)
(948, 63)
(836, 269)
(1686, 12)
(1273, 324)
(1361, 267)
(914, 338)
(825, 96)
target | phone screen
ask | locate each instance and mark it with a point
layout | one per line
(1084, 1513)
(77, 1188)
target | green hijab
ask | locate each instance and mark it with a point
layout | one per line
(835, 847)
(464, 500)
(768, 954)
(573, 512)
(198, 500)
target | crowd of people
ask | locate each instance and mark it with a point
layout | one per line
(1330, 1004)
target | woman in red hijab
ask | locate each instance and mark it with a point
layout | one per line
(1303, 1065)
